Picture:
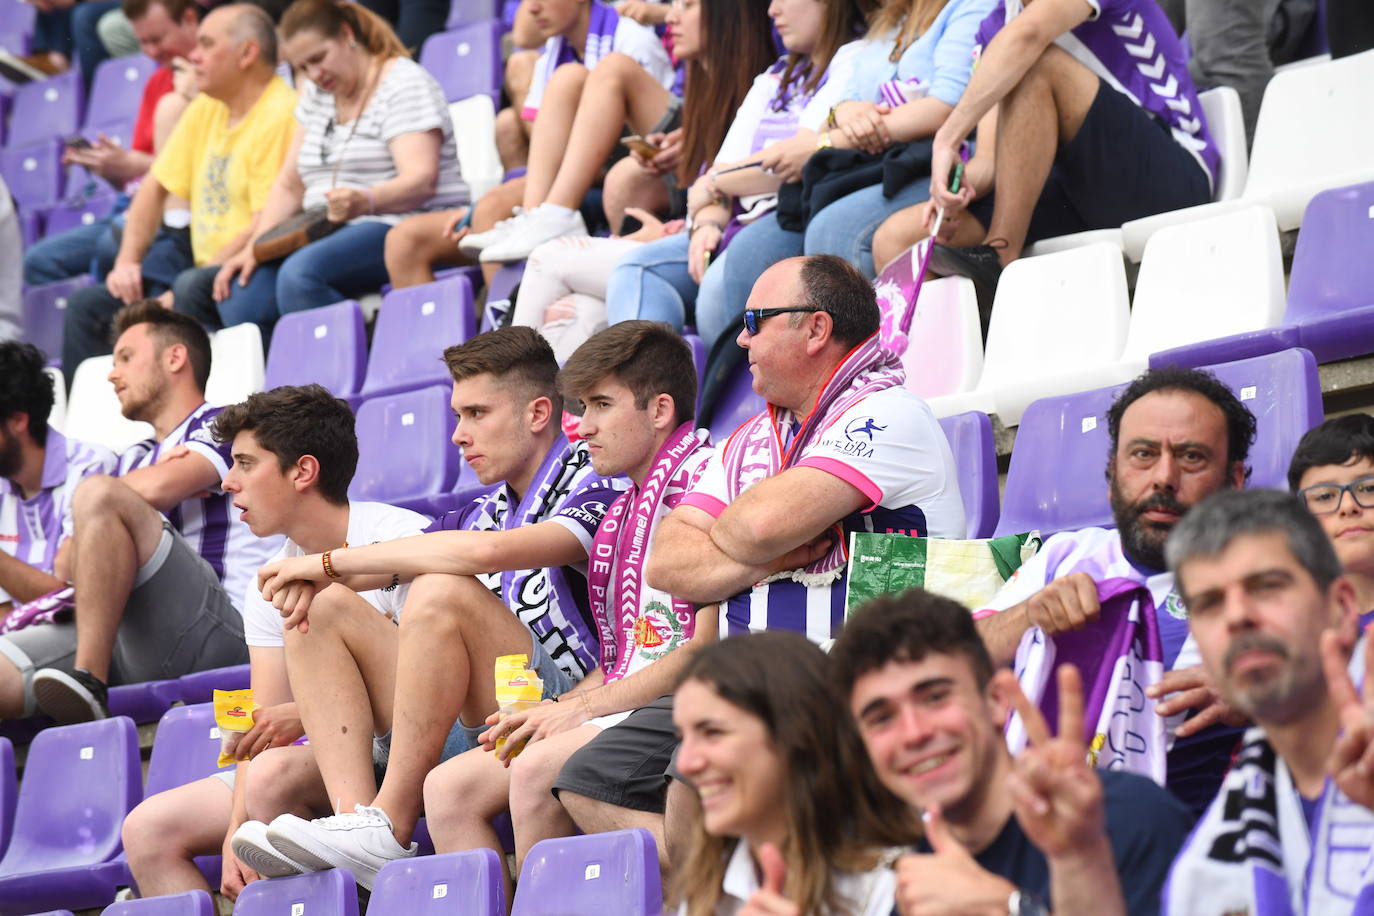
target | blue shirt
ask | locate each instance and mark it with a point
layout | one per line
(941, 58)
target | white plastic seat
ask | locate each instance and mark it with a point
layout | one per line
(946, 351)
(474, 130)
(1055, 317)
(93, 410)
(1074, 240)
(57, 418)
(1226, 120)
(237, 365)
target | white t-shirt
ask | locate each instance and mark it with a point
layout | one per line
(631, 39)
(871, 893)
(368, 523)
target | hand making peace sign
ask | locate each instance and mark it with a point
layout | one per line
(1351, 763)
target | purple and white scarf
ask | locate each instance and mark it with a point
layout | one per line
(615, 573)
(601, 25)
(756, 450)
(56, 605)
(1118, 657)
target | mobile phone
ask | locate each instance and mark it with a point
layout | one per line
(77, 143)
(640, 145)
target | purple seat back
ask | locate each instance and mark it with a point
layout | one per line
(458, 882)
(79, 782)
(186, 747)
(505, 280)
(414, 326)
(200, 686)
(30, 225)
(405, 446)
(144, 701)
(117, 88)
(1284, 393)
(467, 12)
(698, 359)
(615, 872)
(17, 16)
(975, 458)
(34, 173)
(55, 913)
(16, 41)
(466, 61)
(326, 345)
(9, 790)
(737, 403)
(191, 903)
(1057, 477)
(44, 307)
(1332, 270)
(47, 109)
(324, 893)
(65, 217)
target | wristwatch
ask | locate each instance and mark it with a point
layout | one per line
(1024, 903)
(824, 141)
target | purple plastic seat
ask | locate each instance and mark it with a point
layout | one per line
(43, 310)
(191, 903)
(200, 686)
(699, 355)
(466, 61)
(16, 41)
(324, 893)
(466, 12)
(505, 280)
(64, 217)
(79, 782)
(405, 446)
(9, 791)
(413, 327)
(117, 88)
(1284, 393)
(55, 913)
(615, 872)
(737, 403)
(326, 345)
(975, 457)
(46, 110)
(34, 173)
(30, 224)
(17, 16)
(145, 701)
(457, 882)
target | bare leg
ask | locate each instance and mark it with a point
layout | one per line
(905, 228)
(677, 819)
(617, 91)
(462, 795)
(285, 780)
(552, 127)
(513, 132)
(1040, 114)
(343, 675)
(627, 185)
(534, 811)
(451, 632)
(11, 690)
(164, 834)
(594, 816)
(416, 245)
(116, 533)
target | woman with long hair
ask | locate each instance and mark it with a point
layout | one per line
(792, 819)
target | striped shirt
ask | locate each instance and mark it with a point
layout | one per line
(211, 524)
(407, 100)
(31, 530)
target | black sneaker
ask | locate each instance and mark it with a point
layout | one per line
(70, 698)
(977, 262)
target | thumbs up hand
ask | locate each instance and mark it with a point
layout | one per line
(768, 900)
(947, 881)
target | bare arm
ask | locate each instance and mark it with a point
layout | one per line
(141, 222)
(648, 684)
(1002, 632)
(25, 582)
(916, 120)
(171, 480)
(783, 512)
(285, 195)
(684, 561)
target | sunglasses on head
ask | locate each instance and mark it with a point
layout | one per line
(754, 317)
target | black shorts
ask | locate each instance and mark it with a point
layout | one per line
(627, 764)
(1123, 164)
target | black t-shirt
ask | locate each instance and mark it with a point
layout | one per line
(1146, 826)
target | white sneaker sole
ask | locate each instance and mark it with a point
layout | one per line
(305, 849)
(62, 697)
(263, 858)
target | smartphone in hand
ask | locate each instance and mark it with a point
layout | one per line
(638, 144)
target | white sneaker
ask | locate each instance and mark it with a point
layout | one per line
(474, 243)
(361, 842)
(251, 845)
(542, 224)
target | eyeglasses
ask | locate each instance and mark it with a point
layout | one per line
(1325, 498)
(754, 317)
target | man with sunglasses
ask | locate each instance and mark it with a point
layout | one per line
(1333, 473)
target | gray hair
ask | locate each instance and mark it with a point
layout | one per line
(1211, 526)
(252, 23)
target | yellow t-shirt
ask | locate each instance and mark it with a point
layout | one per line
(226, 173)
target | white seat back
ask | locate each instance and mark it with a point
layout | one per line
(93, 410)
(1226, 121)
(236, 364)
(474, 130)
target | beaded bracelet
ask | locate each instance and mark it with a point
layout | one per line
(328, 566)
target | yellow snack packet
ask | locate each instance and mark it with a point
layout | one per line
(234, 716)
(517, 688)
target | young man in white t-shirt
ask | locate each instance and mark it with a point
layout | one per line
(294, 454)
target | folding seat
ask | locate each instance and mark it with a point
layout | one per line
(323, 893)
(1284, 393)
(467, 12)
(413, 328)
(9, 792)
(79, 782)
(200, 686)
(1056, 320)
(191, 903)
(16, 41)
(459, 882)
(46, 110)
(75, 214)
(975, 460)
(93, 410)
(405, 448)
(474, 130)
(699, 355)
(17, 16)
(737, 403)
(144, 701)
(326, 345)
(237, 366)
(30, 224)
(117, 89)
(466, 61)
(34, 173)
(44, 308)
(57, 419)
(945, 350)
(615, 872)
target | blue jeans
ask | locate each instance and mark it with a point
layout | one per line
(652, 283)
(69, 254)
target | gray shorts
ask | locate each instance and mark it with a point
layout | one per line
(672, 116)
(178, 619)
(627, 765)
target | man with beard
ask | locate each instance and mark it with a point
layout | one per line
(1292, 830)
(1177, 436)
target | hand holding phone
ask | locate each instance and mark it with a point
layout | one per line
(639, 145)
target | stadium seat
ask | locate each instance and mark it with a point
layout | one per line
(405, 449)
(1331, 289)
(117, 89)
(144, 701)
(944, 354)
(237, 367)
(466, 61)
(459, 882)
(975, 459)
(323, 893)
(57, 418)
(79, 782)
(615, 872)
(17, 16)
(1055, 319)
(326, 345)
(466, 12)
(1284, 393)
(737, 403)
(200, 686)
(30, 224)
(66, 216)
(44, 308)
(1313, 133)
(414, 326)
(48, 109)
(35, 174)
(93, 410)
(9, 791)
(16, 41)
(191, 903)
(474, 129)
(699, 355)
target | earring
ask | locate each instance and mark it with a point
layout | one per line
(352, 42)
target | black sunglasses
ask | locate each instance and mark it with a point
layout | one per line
(754, 317)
